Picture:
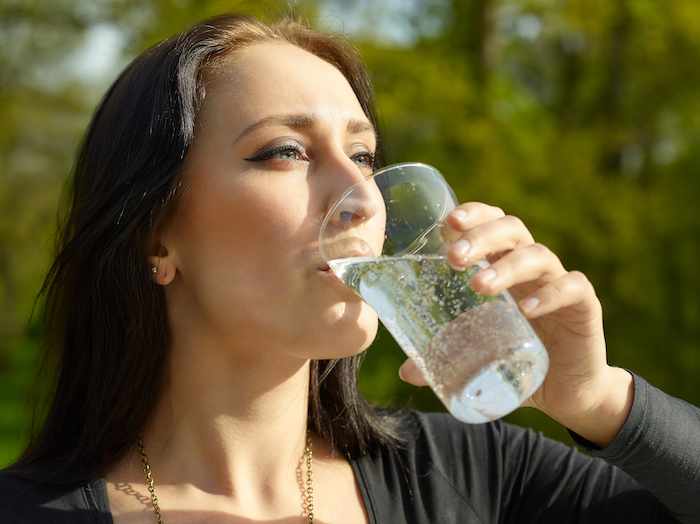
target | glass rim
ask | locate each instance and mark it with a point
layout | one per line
(374, 174)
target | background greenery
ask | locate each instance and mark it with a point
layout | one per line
(581, 117)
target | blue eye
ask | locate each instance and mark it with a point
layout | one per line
(364, 158)
(286, 152)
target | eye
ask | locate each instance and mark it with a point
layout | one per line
(285, 152)
(364, 159)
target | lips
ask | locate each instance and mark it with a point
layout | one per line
(347, 253)
(357, 249)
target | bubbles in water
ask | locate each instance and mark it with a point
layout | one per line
(479, 354)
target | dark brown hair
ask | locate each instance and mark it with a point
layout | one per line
(107, 332)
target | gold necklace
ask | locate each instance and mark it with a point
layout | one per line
(309, 479)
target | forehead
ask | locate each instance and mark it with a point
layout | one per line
(277, 78)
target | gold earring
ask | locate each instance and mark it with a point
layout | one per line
(154, 270)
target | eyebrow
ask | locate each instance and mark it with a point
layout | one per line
(303, 122)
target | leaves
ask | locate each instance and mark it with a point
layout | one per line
(582, 120)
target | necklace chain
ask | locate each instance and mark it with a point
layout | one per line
(309, 479)
(149, 479)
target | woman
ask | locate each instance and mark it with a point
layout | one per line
(198, 332)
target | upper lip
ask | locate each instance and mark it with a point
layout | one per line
(348, 253)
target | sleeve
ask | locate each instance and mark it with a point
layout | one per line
(546, 481)
(511, 475)
(500, 473)
(497, 473)
(659, 446)
(25, 502)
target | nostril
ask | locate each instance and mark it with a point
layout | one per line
(357, 205)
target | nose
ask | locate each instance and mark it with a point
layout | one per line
(359, 201)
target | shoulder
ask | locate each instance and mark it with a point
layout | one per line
(27, 502)
(440, 436)
(446, 471)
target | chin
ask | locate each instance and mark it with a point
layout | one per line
(354, 344)
(350, 335)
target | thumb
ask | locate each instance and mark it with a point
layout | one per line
(410, 373)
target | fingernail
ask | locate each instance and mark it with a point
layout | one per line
(529, 304)
(459, 214)
(461, 247)
(487, 275)
(401, 374)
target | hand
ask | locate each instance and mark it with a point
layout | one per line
(581, 391)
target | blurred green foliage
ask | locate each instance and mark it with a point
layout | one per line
(580, 117)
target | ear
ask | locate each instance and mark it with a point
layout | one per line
(161, 263)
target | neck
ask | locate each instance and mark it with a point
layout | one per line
(230, 440)
(228, 425)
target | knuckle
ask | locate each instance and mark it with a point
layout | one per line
(485, 210)
(542, 250)
(579, 279)
(557, 290)
(514, 220)
(517, 225)
(497, 211)
(573, 284)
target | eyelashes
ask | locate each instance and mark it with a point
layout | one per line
(292, 152)
(279, 151)
(368, 156)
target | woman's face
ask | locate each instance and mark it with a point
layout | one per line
(279, 137)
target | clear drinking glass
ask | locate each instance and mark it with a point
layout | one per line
(385, 238)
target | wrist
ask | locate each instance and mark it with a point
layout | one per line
(601, 424)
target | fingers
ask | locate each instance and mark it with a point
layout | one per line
(517, 262)
(537, 274)
(531, 263)
(472, 213)
(410, 373)
(486, 232)
(573, 291)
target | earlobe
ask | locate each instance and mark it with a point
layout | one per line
(161, 263)
(162, 269)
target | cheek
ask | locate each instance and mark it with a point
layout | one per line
(241, 246)
(274, 229)
(248, 218)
